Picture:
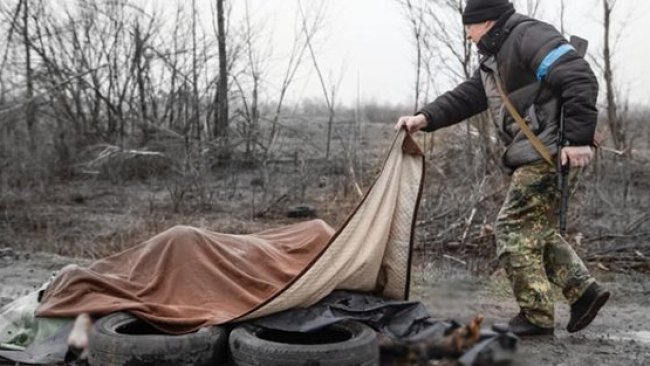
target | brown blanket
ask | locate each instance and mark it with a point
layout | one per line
(186, 278)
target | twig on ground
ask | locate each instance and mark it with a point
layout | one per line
(468, 225)
(617, 236)
(454, 259)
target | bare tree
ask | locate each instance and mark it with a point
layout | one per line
(195, 76)
(13, 17)
(415, 16)
(222, 114)
(30, 113)
(329, 93)
(111, 77)
(305, 31)
(140, 65)
(562, 16)
(255, 65)
(613, 120)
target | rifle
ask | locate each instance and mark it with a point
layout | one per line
(562, 171)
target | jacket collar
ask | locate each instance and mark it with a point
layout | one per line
(492, 41)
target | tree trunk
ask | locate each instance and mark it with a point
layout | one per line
(562, 14)
(138, 61)
(196, 122)
(418, 73)
(30, 113)
(612, 116)
(221, 117)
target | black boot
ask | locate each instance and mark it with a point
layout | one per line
(521, 326)
(586, 308)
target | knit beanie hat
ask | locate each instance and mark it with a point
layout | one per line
(477, 11)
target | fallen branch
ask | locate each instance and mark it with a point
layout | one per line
(612, 258)
(617, 249)
(634, 225)
(430, 221)
(616, 236)
(468, 225)
(613, 151)
(454, 259)
(268, 208)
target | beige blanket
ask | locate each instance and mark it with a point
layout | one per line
(186, 278)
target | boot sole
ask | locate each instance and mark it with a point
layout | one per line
(590, 314)
(537, 334)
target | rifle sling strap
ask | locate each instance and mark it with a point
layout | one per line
(534, 140)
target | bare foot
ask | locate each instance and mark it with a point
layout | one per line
(78, 338)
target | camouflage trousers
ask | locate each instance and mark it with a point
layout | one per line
(529, 249)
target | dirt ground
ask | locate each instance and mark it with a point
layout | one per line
(91, 217)
(619, 336)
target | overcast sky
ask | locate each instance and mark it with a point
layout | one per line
(369, 40)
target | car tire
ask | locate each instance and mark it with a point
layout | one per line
(343, 344)
(121, 339)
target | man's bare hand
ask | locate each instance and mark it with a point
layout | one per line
(412, 123)
(577, 156)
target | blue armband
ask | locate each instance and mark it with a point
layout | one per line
(550, 59)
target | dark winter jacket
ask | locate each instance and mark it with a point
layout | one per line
(539, 71)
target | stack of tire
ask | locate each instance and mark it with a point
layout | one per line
(121, 339)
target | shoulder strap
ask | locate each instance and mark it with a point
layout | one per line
(534, 140)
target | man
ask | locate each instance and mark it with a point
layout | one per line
(541, 74)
